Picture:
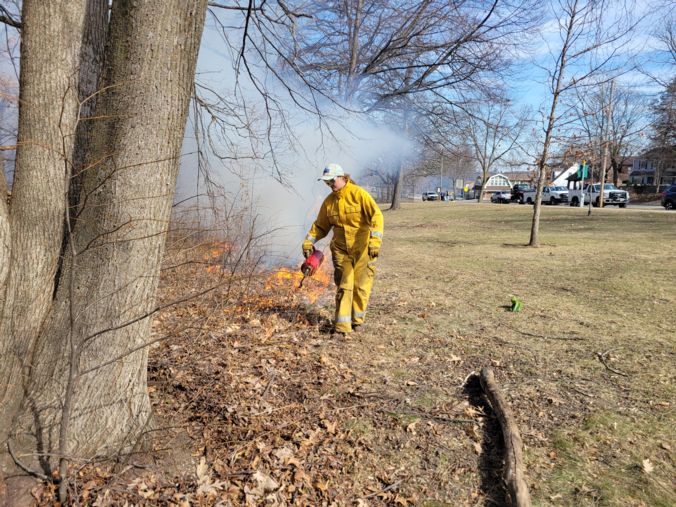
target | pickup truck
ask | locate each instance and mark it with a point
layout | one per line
(611, 195)
(550, 195)
(518, 190)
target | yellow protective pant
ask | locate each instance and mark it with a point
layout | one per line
(354, 281)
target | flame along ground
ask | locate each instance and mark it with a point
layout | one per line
(216, 256)
(289, 279)
(285, 279)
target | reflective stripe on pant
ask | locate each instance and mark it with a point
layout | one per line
(354, 280)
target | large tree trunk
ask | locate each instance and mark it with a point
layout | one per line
(51, 42)
(83, 390)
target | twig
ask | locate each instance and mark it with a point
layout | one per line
(23, 467)
(271, 410)
(430, 417)
(384, 490)
(602, 357)
(582, 392)
(267, 387)
(564, 338)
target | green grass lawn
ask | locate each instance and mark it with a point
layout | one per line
(599, 287)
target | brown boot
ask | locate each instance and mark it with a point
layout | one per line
(358, 328)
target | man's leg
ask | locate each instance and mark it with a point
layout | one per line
(364, 273)
(343, 275)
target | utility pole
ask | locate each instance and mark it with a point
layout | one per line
(606, 141)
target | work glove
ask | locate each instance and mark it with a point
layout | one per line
(308, 248)
(373, 251)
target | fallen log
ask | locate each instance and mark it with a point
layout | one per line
(513, 474)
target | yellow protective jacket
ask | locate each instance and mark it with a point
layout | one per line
(355, 218)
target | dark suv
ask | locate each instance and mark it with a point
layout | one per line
(669, 197)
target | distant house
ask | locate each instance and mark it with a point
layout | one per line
(496, 183)
(644, 169)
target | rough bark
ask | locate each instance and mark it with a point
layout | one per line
(4, 232)
(50, 46)
(85, 393)
(513, 475)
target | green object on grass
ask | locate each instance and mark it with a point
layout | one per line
(517, 304)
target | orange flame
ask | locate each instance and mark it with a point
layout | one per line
(289, 280)
(215, 256)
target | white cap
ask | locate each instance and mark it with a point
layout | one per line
(332, 171)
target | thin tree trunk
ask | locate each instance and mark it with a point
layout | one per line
(396, 192)
(604, 161)
(542, 163)
(398, 182)
(354, 29)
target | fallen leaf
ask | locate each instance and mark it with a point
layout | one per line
(400, 500)
(321, 486)
(202, 470)
(647, 466)
(264, 484)
(477, 447)
(470, 411)
(330, 426)
(283, 453)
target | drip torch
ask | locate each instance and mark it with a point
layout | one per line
(311, 265)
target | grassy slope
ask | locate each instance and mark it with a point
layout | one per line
(598, 284)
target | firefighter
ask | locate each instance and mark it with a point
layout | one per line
(357, 224)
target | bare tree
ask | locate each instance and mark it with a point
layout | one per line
(663, 135)
(624, 127)
(88, 216)
(590, 39)
(398, 51)
(492, 133)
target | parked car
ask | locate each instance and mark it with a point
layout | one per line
(503, 196)
(430, 196)
(669, 198)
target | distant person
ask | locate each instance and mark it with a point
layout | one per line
(357, 224)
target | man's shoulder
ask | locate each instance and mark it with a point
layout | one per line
(358, 190)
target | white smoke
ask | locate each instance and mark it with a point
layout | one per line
(280, 186)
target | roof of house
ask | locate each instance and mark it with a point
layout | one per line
(520, 175)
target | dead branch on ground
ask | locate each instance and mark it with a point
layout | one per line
(513, 475)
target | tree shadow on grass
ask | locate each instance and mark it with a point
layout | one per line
(492, 446)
